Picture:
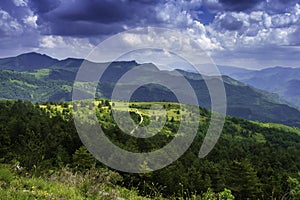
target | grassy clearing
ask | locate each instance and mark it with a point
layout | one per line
(42, 73)
(23, 83)
(149, 109)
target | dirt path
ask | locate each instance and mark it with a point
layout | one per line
(141, 121)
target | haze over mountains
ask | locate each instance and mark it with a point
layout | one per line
(283, 81)
(39, 78)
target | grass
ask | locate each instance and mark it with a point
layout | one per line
(42, 73)
(38, 188)
(62, 185)
(278, 127)
(67, 185)
(22, 83)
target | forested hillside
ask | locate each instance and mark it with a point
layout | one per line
(251, 159)
(40, 78)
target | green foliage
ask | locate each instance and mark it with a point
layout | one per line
(91, 183)
(243, 180)
(82, 159)
(6, 176)
(94, 184)
(252, 159)
(209, 195)
(294, 187)
(226, 195)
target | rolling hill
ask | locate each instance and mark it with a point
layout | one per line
(48, 79)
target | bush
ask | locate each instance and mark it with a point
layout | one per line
(6, 176)
(294, 187)
(226, 195)
(91, 182)
(83, 160)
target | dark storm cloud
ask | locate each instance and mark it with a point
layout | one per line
(82, 28)
(101, 11)
(238, 5)
(231, 5)
(90, 17)
(43, 6)
(268, 6)
(147, 1)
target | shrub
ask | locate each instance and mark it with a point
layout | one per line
(6, 176)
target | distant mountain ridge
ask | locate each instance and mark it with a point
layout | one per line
(283, 81)
(49, 79)
(27, 62)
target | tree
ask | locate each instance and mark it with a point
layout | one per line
(294, 187)
(226, 195)
(242, 180)
(172, 119)
(106, 103)
(82, 159)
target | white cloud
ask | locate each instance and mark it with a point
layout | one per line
(8, 25)
(172, 13)
(177, 15)
(21, 3)
(51, 41)
(256, 16)
(62, 47)
(284, 20)
(31, 21)
(297, 9)
(258, 29)
(267, 21)
(133, 39)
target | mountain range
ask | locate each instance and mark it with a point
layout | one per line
(40, 78)
(283, 81)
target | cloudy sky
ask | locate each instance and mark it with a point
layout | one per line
(246, 33)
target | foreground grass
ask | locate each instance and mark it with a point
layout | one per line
(93, 184)
(62, 185)
(38, 188)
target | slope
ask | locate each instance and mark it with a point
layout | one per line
(53, 81)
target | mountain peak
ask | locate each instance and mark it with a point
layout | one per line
(30, 53)
(35, 55)
(27, 62)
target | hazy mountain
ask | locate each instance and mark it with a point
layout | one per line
(280, 80)
(230, 70)
(52, 80)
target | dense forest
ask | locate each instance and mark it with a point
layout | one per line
(252, 160)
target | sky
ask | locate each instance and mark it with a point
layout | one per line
(251, 34)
